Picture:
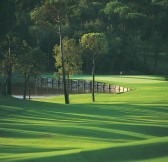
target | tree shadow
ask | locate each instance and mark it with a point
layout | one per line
(89, 120)
(127, 153)
(27, 149)
(116, 123)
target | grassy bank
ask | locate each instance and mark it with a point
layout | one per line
(131, 126)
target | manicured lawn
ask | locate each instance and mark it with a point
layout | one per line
(132, 126)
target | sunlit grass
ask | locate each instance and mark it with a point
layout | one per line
(124, 78)
(131, 126)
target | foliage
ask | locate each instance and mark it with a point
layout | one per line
(130, 27)
(72, 57)
(7, 19)
(96, 43)
(8, 55)
(30, 61)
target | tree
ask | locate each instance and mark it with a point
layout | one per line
(72, 57)
(8, 56)
(7, 21)
(125, 23)
(30, 62)
(97, 45)
(55, 12)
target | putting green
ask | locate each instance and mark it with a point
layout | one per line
(132, 126)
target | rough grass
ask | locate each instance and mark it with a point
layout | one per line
(124, 127)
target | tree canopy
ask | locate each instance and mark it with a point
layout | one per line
(72, 57)
(136, 32)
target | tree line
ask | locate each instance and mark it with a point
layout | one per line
(30, 40)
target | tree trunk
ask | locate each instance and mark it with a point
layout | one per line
(25, 86)
(4, 90)
(9, 82)
(63, 67)
(93, 82)
(68, 81)
(28, 85)
(8, 78)
(48, 55)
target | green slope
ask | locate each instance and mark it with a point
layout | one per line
(132, 126)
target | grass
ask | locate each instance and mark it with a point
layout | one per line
(132, 126)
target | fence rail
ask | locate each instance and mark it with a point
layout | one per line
(78, 84)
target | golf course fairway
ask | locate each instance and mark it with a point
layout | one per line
(126, 127)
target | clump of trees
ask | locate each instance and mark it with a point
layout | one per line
(17, 50)
(30, 62)
(136, 32)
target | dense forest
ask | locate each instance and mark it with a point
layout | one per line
(136, 31)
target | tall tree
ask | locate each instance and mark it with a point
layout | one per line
(97, 45)
(7, 23)
(7, 63)
(55, 12)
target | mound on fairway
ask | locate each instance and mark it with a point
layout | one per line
(132, 126)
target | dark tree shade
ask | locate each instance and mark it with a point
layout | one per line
(7, 17)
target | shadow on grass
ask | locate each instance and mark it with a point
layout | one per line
(115, 154)
(128, 153)
(166, 78)
(89, 120)
(27, 149)
(108, 122)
